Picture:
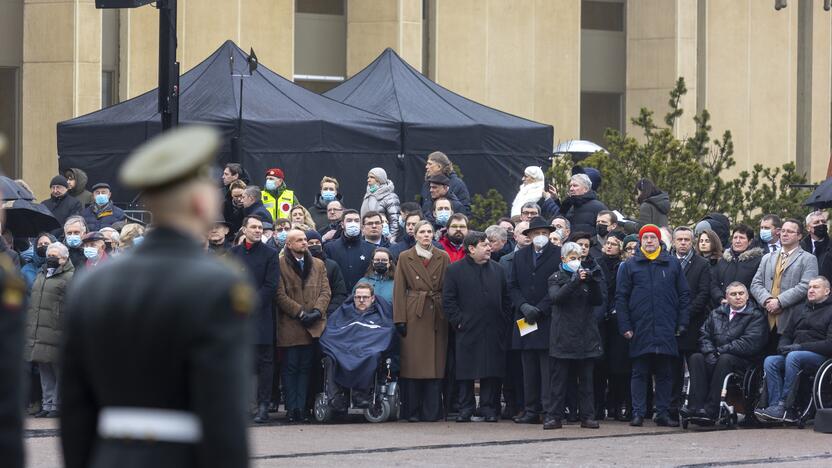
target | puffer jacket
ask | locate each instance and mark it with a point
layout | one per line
(44, 319)
(582, 210)
(654, 210)
(745, 336)
(811, 329)
(386, 202)
(732, 268)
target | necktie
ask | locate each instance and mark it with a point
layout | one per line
(731, 317)
(300, 262)
(775, 284)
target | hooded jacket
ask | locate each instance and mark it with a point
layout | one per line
(654, 210)
(80, 191)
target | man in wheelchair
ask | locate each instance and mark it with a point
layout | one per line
(732, 337)
(358, 336)
(805, 344)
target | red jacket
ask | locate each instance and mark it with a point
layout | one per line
(453, 252)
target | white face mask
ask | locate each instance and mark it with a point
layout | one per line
(540, 241)
(573, 265)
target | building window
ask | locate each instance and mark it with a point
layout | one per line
(600, 111)
(9, 120)
(602, 15)
(108, 89)
(320, 44)
(320, 7)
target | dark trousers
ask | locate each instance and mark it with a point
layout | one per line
(511, 387)
(264, 367)
(449, 384)
(421, 398)
(619, 393)
(562, 371)
(316, 376)
(489, 397)
(640, 382)
(297, 363)
(600, 377)
(706, 380)
(677, 366)
(536, 380)
(773, 342)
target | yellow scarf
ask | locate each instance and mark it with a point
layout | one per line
(651, 256)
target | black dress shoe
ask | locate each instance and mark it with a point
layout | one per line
(637, 421)
(463, 419)
(262, 415)
(527, 418)
(53, 414)
(40, 414)
(665, 421)
(552, 424)
(686, 412)
(590, 424)
(492, 419)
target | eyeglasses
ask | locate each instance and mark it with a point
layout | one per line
(529, 213)
(457, 226)
(362, 298)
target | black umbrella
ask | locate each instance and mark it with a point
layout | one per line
(27, 219)
(822, 196)
(11, 190)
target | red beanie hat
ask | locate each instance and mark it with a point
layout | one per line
(275, 172)
(649, 228)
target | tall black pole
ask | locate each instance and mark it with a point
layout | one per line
(168, 66)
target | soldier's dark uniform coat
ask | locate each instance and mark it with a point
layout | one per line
(164, 327)
(12, 309)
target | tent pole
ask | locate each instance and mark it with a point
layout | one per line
(168, 66)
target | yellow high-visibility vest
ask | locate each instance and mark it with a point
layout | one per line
(280, 207)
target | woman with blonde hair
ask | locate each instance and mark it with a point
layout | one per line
(301, 216)
(131, 235)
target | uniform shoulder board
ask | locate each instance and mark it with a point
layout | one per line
(13, 293)
(242, 298)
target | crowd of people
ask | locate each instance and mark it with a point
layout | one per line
(565, 310)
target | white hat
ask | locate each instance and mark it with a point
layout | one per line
(535, 172)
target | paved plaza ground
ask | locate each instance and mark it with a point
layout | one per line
(504, 444)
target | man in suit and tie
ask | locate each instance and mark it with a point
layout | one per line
(782, 280)
(770, 233)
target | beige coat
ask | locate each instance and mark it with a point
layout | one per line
(417, 301)
(295, 295)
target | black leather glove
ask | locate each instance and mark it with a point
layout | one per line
(307, 319)
(711, 358)
(530, 313)
(401, 329)
(784, 350)
(680, 330)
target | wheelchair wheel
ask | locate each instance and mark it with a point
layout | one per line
(395, 404)
(378, 412)
(323, 413)
(822, 386)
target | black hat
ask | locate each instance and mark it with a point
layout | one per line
(100, 185)
(619, 235)
(538, 223)
(59, 180)
(440, 179)
(94, 236)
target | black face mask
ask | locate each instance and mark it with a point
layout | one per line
(380, 268)
(53, 262)
(316, 250)
(41, 251)
(602, 229)
(821, 230)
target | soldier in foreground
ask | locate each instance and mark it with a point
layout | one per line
(157, 355)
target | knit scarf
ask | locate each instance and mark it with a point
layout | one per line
(424, 253)
(651, 256)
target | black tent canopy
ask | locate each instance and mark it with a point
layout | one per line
(283, 125)
(491, 147)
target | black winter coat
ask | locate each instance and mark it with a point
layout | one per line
(574, 333)
(529, 283)
(745, 336)
(582, 210)
(258, 209)
(62, 208)
(457, 188)
(353, 255)
(812, 329)
(476, 302)
(337, 288)
(617, 348)
(698, 275)
(261, 264)
(318, 211)
(730, 268)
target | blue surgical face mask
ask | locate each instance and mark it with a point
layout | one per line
(102, 199)
(281, 236)
(327, 195)
(271, 185)
(401, 222)
(372, 188)
(385, 230)
(73, 240)
(137, 241)
(91, 253)
(765, 235)
(442, 217)
(352, 229)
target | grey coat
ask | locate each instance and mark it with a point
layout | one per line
(386, 202)
(800, 268)
(44, 319)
